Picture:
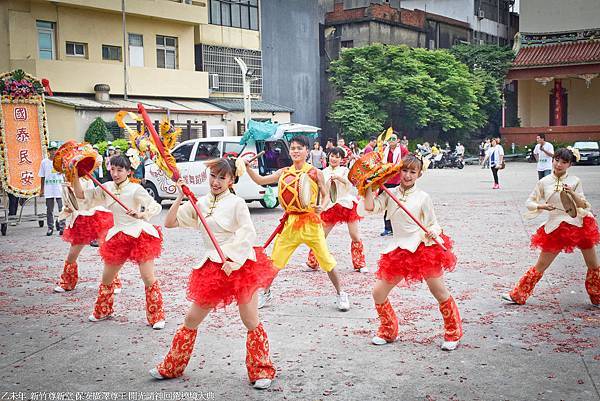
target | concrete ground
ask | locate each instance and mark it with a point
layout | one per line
(548, 349)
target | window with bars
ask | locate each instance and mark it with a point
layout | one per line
(235, 13)
(166, 52)
(221, 61)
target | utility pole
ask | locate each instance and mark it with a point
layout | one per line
(125, 47)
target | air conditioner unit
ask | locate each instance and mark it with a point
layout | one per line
(481, 14)
(213, 81)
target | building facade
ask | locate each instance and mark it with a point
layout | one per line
(163, 53)
(290, 46)
(489, 21)
(556, 70)
(356, 23)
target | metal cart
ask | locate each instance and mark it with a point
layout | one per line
(6, 220)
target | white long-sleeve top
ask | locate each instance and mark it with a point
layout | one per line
(83, 206)
(407, 234)
(345, 197)
(228, 218)
(547, 190)
(134, 196)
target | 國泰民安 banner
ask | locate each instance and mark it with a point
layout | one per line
(23, 132)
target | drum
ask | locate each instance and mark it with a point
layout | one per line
(295, 192)
(370, 171)
(333, 192)
(568, 204)
(72, 155)
(69, 198)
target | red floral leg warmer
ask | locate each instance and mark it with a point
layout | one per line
(69, 277)
(180, 353)
(358, 255)
(388, 328)
(258, 363)
(105, 301)
(452, 322)
(154, 304)
(525, 286)
(117, 282)
(592, 285)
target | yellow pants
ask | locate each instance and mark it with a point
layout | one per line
(310, 234)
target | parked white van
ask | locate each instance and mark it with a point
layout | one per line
(191, 155)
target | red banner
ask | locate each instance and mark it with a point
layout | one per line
(23, 137)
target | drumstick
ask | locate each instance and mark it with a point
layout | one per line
(391, 195)
(108, 192)
(257, 156)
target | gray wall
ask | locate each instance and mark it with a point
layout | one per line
(290, 53)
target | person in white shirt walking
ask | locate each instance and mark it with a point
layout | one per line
(543, 153)
(51, 188)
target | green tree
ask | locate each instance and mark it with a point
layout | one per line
(491, 63)
(495, 60)
(409, 89)
(97, 131)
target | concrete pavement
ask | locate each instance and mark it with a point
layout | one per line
(547, 349)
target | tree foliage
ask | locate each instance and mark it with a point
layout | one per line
(97, 131)
(494, 60)
(406, 88)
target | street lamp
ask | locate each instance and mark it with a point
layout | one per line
(247, 78)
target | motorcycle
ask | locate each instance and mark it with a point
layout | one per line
(453, 159)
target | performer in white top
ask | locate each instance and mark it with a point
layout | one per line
(412, 255)
(560, 232)
(83, 225)
(131, 238)
(215, 284)
(342, 211)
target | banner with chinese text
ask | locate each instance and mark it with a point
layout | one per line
(23, 132)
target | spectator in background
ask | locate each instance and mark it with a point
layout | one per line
(460, 150)
(354, 154)
(51, 188)
(99, 172)
(495, 155)
(393, 153)
(110, 153)
(328, 147)
(371, 145)
(317, 156)
(404, 141)
(486, 148)
(543, 153)
(341, 143)
(481, 152)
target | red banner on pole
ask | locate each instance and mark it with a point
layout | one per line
(23, 132)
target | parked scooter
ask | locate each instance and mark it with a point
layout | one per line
(453, 159)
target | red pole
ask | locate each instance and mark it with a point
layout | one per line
(278, 229)
(176, 176)
(391, 195)
(91, 177)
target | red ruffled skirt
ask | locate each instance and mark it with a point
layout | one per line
(209, 287)
(567, 237)
(122, 247)
(338, 214)
(88, 228)
(402, 266)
